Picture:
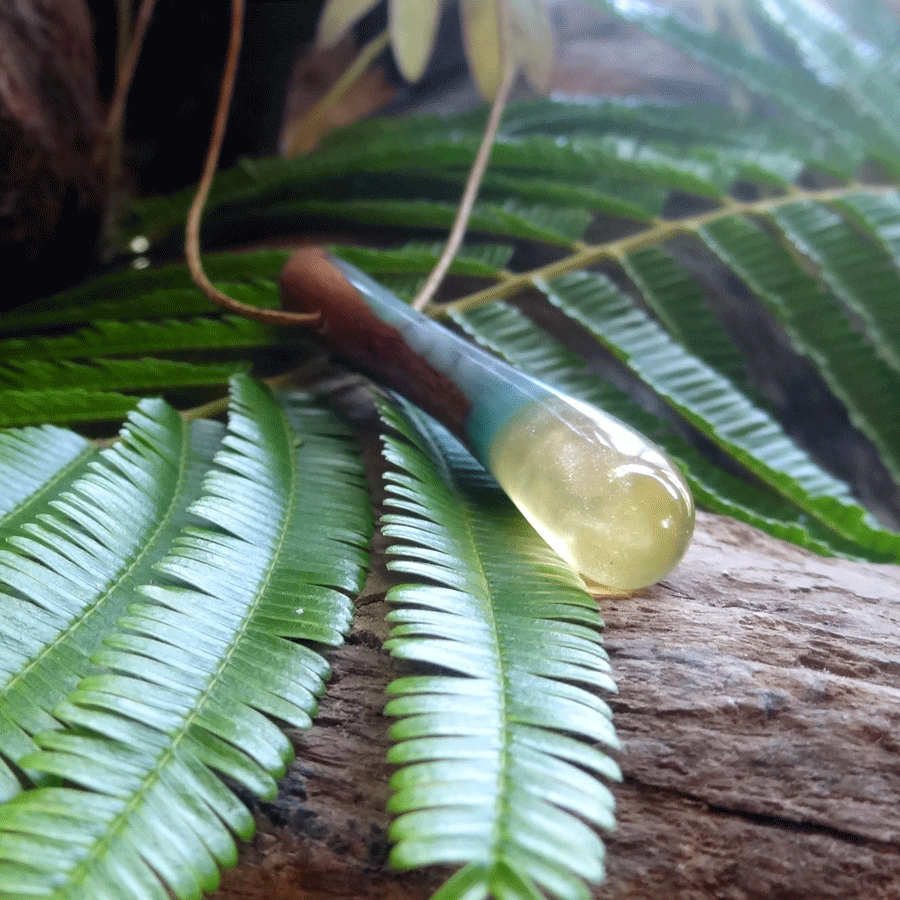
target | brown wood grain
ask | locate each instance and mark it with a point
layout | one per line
(759, 713)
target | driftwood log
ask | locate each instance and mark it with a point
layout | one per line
(759, 712)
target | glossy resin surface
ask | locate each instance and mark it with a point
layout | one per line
(607, 499)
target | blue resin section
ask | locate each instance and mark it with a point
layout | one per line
(496, 391)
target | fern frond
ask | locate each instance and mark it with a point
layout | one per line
(510, 219)
(182, 694)
(493, 257)
(877, 216)
(36, 463)
(634, 200)
(819, 107)
(157, 293)
(115, 374)
(38, 390)
(294, 187)
(69, 573)
(419, 258)
(716, 407)
(682, 305)
(836, 56)
(113, 338)
(62, 405)
(499, 768)
(818, 328)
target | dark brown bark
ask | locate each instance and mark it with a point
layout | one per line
(759, 712)
(51, 184)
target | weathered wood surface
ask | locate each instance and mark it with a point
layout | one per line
(759, 712)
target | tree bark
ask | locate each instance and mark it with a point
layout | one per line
(52, 190)
(759, 714)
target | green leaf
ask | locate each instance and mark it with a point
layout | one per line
(120, 374)
(178, 698)
(499, 772)
(818, 328)
(804, 99)
(36, 463)
(62, 405)
(867, 286)
(420, 258)
(716, 407)
(112, 338)
(829, 48)
(289, 189)
(682, 304)
(69, 572)
(511, 219)
(634, 200)
(160, 292)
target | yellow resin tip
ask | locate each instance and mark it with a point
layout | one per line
(605, 498)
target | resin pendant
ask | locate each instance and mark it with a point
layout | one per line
(603, 496)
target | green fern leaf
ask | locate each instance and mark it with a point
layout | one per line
(38, 390)
(829, 48)
(112, 338)
(160, 292)
(716, 407)
(780, 145)
(493, 257)
(179, 696)
(115, 374)
(672, 122)
(287, 189)
(36, 463)
(638, 201)
(819, 106)
(61, 405)
(71, 571)
(420, 259)
(511, 219)
(818, 328)
(682, 305)
(492, 777)
(877, 216)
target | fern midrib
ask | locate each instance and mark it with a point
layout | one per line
(49, 487)
(659, 232)
(160, 765)
(503, 768)
(441, 463)
(69, 634)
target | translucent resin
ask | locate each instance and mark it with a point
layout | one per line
(608, 500)
(604, 497)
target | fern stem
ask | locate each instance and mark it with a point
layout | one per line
(130, 50)
(292, 378)
(297, 131)
(210, 164)
(660, 231)
(473, 183)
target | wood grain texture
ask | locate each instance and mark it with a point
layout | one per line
(759, 712)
